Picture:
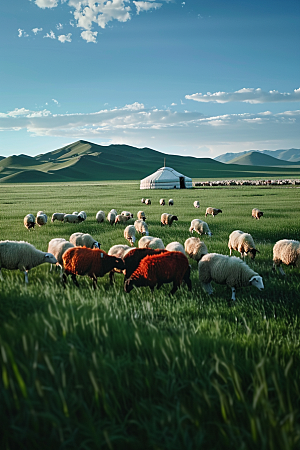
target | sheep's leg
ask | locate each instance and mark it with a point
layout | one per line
(208, 288)
(174, 288)
(112, 277)
(281, 270)
(187, 279)
(1, 276)
(94, 282)
(26, 276)
(230, 251)
(74, 279)
(233, 293)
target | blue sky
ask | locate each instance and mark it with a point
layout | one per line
(193, 77)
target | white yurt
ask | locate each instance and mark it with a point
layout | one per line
(166, 178)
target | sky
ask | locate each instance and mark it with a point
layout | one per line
(193, 78)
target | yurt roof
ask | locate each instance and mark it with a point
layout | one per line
(165, 174)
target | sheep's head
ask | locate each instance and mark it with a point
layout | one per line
(119, 263)
(252, 253)
(96, 245)
(49, 258)
(257, 281)
(174, 218)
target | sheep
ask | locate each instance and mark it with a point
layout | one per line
(148, 201)
(91, 262)
(286, 251)
(133, 257)
(121, 219)
(73, 218)
(141, 227)
(111, 217)
(82, 214)
(41, 218)
(100, 216)
(200, 227)
(141, 215)
(196, 204)
(228, 270)
(156, 270)
(175, 247)
(58, 216)
(195, 248)
(162, 202)
(256, 213)
(29, 221)
(23, 256)
(127, 213)
(151, 242)
(84, 240)
(119, 251)
(171, 202)
(243, 243)
(212, 211)
(57, 247)
(129, 234)
(167, 219)
(143, 200)
(114, 211)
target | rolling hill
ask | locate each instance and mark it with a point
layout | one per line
(292, 155)
(261, 159)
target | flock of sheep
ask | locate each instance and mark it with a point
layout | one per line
(151, 263)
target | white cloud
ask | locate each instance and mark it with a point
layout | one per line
(55, 101)
(46, 3)
(59, 26)
(146, 6)
(65, 38)
(51, 35)
(247, 95)
(22, 33)
(89, 36)
(36, 30)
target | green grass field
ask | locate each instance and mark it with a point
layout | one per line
(92, 369)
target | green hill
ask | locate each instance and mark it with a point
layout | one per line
(260, 159)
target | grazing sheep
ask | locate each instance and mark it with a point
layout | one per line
(151, 242)
(72, 218)
(143, 200)
(127, 213)
(141, 215)
(133, 257)
(111, 217)
(171, 202)
(243, 243)
(196, 204)
(119, 251)
(231, 271)
(162, 202)
(57, 247)
(212, 211)
(141, 227)
(84, 240)
(167, 219)
(286, 251)
(256, 213)
(41, 218)
(121, 219)
(82, 214)
(195, 248)
(91, 262)
(114, 211)
(156, 270)
(23, 256)
(29, 221)
(175, 247)
(200, 227)
(129, 234)
(58, 216)
(100, 216)
(148, 201)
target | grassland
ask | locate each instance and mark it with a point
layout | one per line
(91, 369)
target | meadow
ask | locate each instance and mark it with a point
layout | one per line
(96, 369)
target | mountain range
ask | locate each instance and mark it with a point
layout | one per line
(86, 161)
(283, 156)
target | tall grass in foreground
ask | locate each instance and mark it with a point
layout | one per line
(103, 369)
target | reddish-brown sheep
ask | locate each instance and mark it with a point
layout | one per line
(92, 262)
(156, 270)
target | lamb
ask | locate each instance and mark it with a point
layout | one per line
(111, 217)
(58, 216)
(57, 247)
(91, 262)
(195, 248)
(167, 219)
(73, 218)
(127, 213)
(121, 219)
(23, 256)
(141, 215)
(171, 202)
(141, 227)
(84, 240)
(100, 216)
(83, 215)
(286, 251)
(129, 234)
(200, 227)
(29, 221)
(196, 204)
(133, 257)
(175, 247)
(119, 251)
(231, 271)
(148, 201)
(156, 270)
(256, 213)
(243, 243)
(162, 202)
(151, 242)
(41, 218)
(212, 211)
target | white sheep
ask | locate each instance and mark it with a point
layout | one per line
(212, 211)
(29, 221)
(57, 247)
(84, 240)
(23, 256)
(111, 217)
(100, 216)
(167, 219)
(129, 234)
(41, 218)
(121, 219)
(151, 242)
(148, 201)
(242, 243)
(200, 227)
(229, 270)
(141, 215)
(162, 202)
(114, 211)
(127, 213)
(286, 251)
(171, 202)
(82, 214)
(175, 247)
(119, 251)
(196, 204)
(195, 248)
(256, 213)
(73, 218)
(143, 200)
(141, 227)
(58, 216)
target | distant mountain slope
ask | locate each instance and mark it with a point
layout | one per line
(260, 159)
(292, 155)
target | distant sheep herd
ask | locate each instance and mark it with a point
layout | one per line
(151, 263)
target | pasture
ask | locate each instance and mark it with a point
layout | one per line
(92, 369)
